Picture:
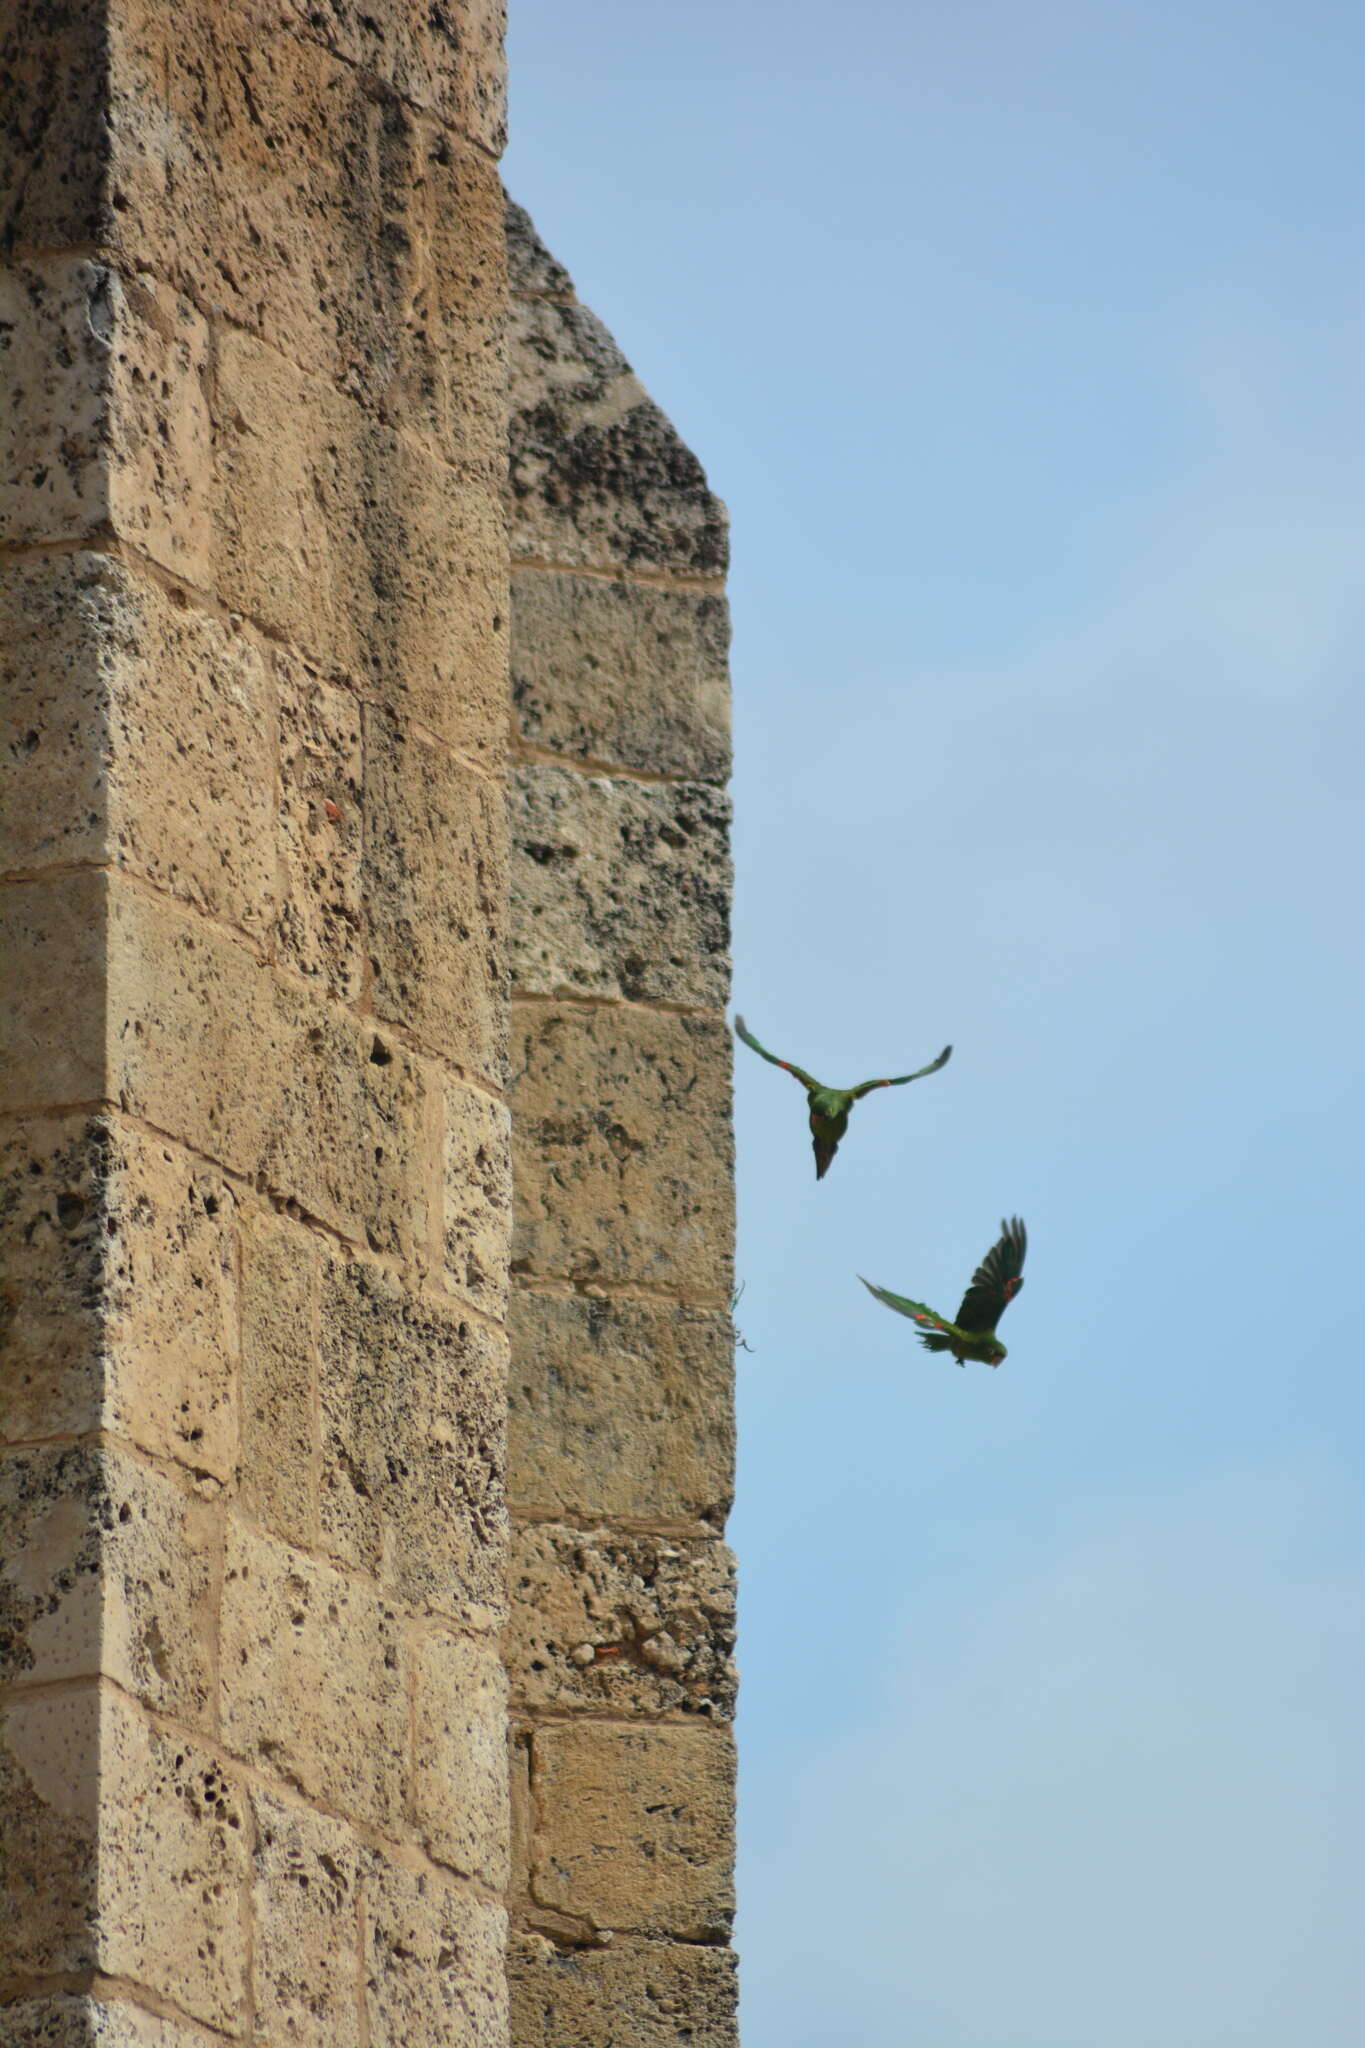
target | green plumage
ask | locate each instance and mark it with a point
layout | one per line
(993, 1287)
(829, 1107)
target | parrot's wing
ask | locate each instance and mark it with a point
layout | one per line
(742, 1031)
(916, 1310)
(899, 1080)
(996, 1280)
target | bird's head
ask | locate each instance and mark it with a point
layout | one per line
(995, 1354)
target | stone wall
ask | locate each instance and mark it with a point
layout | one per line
(253, 1141)
(620, 1422)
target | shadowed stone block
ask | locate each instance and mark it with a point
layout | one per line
(622, 1148)
(434, 1969)
(305, 1967)
(412, 1397)
(314, 1682)
(634, 1827)
(108, 1568)
(620, 1624)
(622, 672)
(620, 888)
(632, 1995)
(61, 2021)
(620, 1408)
(319, 930)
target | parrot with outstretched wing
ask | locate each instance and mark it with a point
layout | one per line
(995, 1283)
(829, 1107)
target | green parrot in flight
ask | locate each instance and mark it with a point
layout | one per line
(829, 1107)
(995, 1283)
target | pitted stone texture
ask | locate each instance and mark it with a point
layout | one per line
(305, 1960)
(135, 731)
(413, 1434)
(53, 141)
(530, 266)
(627, 673)
(436, 887)
(598, 476)
(60, 2021)
(632, 1995)
(370, 554)
(449, 59)
(620, 1408)
(434, 1969)
(118, 1291)
(106, 1568)
(459, 1779)
(619, 888)
(478, 1197)
(319, 930)
(277, 1477)
(106, 419)
(621, 1147)
(314, 1682)
(617, 1624)
(252, 1069)
(52, 945)
(634, 1827)
(172, 1858)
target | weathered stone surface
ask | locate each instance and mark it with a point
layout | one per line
(632, 1995)
(136, 731)
(412, 1406)
(620, 1408)
(314, 1681)
(531, 269)
(627, 673)
(106, 420)
(621, 1147)
(277, 1475)
(106, 1568)
(305, 1959)
(319, 930)
(54, 68)
(619, 888)
(478, 1197)
(598, 476)
(118, 1291)
(433, 1961)
(634, 1827)
(61, 2021)
(436, 887)
(53, 968)
(620, 1624)
(167, 1910)
(459, 1778)
(370, 554)
(449, 58)
(252, 1069)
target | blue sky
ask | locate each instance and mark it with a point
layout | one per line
(1028, 350)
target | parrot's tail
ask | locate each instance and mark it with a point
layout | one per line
(935, 1340)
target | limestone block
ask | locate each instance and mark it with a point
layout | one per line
(448, 59)
(459, 1778)
(53, 140)
(305, 1960)
(619, 888)
(412, 1400)
(620, 1408)
(649, 1994)
(62, 2021)
(634, 1827)
(478, 1197)
(436, 887)
(319, 931)
(372, 556)
(622, 1154)
(250, 1068)
(620, 1624)
(106, 419)
(118, 1291)
(628, 673)
(106, 1568)
(53, 967)
(433, 1962)
(314, 1681)
(598, 476)
(135, 731)
(277, 1478)
(167, 1911)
